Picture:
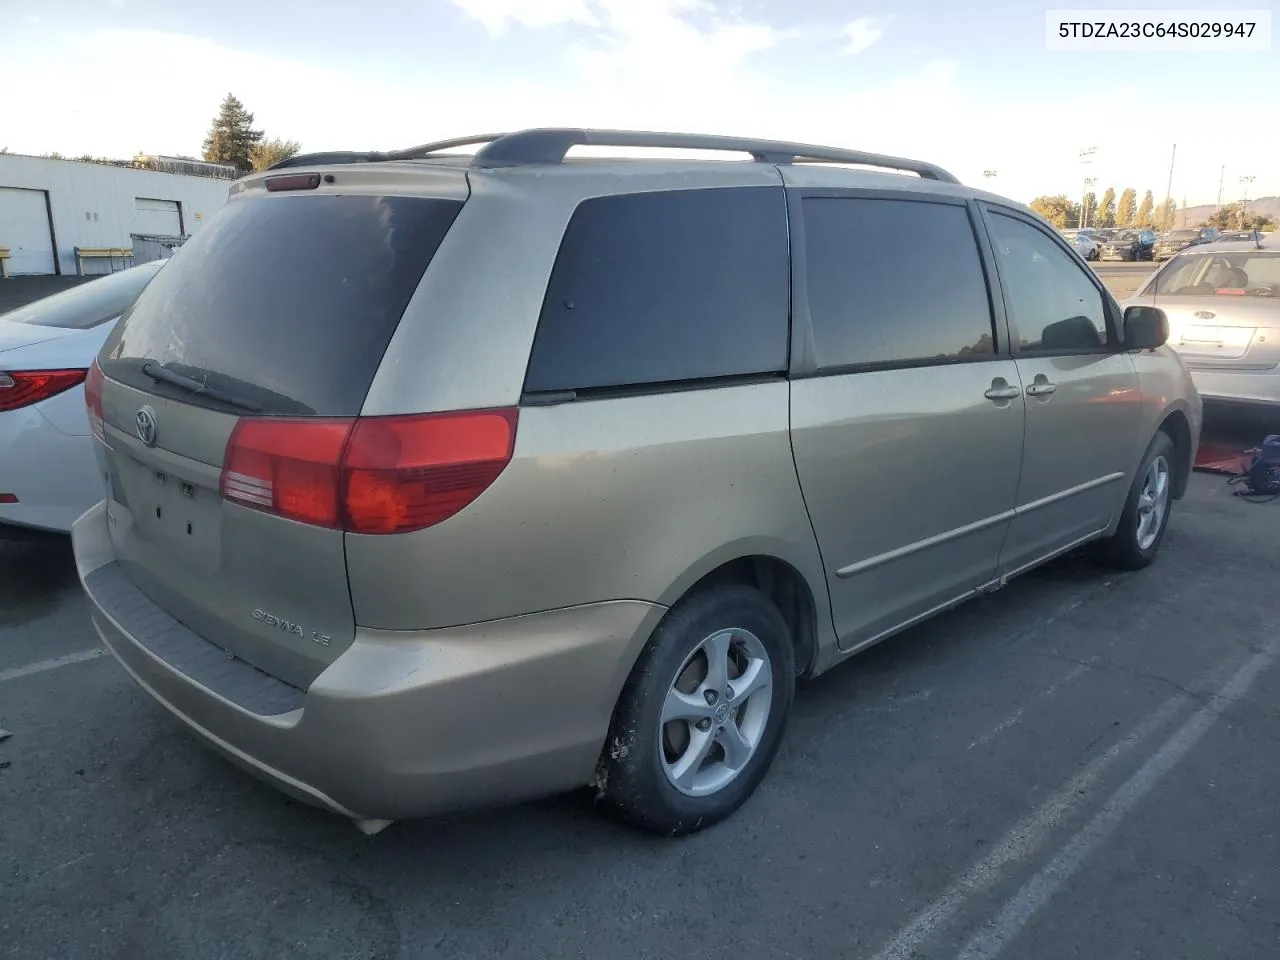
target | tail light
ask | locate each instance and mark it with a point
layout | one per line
(93, 398)
(372, 475)
(21, 388)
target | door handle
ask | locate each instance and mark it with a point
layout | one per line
(1042, 389)
(1001, 390)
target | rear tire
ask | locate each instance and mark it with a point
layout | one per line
(1146, 510)
(685, 748)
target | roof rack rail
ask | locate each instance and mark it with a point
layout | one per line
(420, 152)
(550, 145)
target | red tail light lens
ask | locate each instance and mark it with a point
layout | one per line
(93, 398)
(407, 473)
(286, 467)
(371, 475)
(21, 388)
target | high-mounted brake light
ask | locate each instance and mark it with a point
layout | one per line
(293, 181)
(372, 475)
(93, 399)
(22, 388)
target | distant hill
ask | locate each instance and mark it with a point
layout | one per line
(1268, 207)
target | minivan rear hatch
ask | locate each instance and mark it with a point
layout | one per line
(264, 331)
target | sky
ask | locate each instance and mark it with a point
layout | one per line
(969, 89)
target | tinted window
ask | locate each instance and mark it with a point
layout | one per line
(1051, 299)
(288, 301)
(894, 281)
(663, 287)
(88, 304)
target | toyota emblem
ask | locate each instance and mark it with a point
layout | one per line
(145, 421)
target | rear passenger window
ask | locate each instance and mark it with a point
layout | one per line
(894, 282)
(1051, 299)
(664, 287)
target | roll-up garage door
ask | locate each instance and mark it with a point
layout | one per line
(158, 218)
(24, 229)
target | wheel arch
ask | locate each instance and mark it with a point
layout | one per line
(1177, 426)
(788, 574)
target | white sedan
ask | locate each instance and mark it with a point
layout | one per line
(1085, 244)
(48, 474)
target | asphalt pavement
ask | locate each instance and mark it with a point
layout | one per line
(1082, 765)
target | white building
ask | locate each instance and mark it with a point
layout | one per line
(48, 208)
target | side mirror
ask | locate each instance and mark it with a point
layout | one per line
(1145, 328)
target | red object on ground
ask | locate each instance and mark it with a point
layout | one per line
(1223, 458)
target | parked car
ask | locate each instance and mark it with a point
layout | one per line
(1128, 245)
(1083, 244)
(1175, 240)
(1236, 236)
(1223, 304)
(565, 475)
(48, 475)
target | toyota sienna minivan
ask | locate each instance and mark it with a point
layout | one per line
(437, 480)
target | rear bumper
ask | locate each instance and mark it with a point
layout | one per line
(1252, 387)
(402, 724)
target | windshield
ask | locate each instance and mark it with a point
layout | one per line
(1126, 236)
(1182, 234)
(1254, 274)
(88, 304)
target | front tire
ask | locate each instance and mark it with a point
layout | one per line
(1146, 511)
(702, 714)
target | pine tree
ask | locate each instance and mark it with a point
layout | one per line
(1107, 211)
(1168, 211)
(1128, 208)
(232, 137)
(1146, 211)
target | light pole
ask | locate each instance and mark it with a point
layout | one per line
(1244, 201)
(1086, 158)
(1084, 201)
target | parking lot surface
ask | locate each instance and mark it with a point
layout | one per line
(1083, 764)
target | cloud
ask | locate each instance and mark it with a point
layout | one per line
(861, 34)
(664, 44)
(498, 15)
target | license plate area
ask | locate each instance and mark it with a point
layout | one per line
(172, 515)
(1228, 343)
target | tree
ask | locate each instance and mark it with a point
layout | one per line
(1058, 209)
(1146, 210)
(1128, 208)
(1230, 218)
(1090, 210)
(232, 137)
(268, 152)
(1167, 211)
(1107, 210)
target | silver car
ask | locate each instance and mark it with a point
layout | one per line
(436, 481)
(1223, 304)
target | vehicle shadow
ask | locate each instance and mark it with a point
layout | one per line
(34, 575)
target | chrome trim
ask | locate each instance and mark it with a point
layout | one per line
(904, 551)
(1071, 492)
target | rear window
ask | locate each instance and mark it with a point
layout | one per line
(665, 287)
(88, 304)
(288, 302)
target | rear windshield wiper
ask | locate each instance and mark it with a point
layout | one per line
(160, 374)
